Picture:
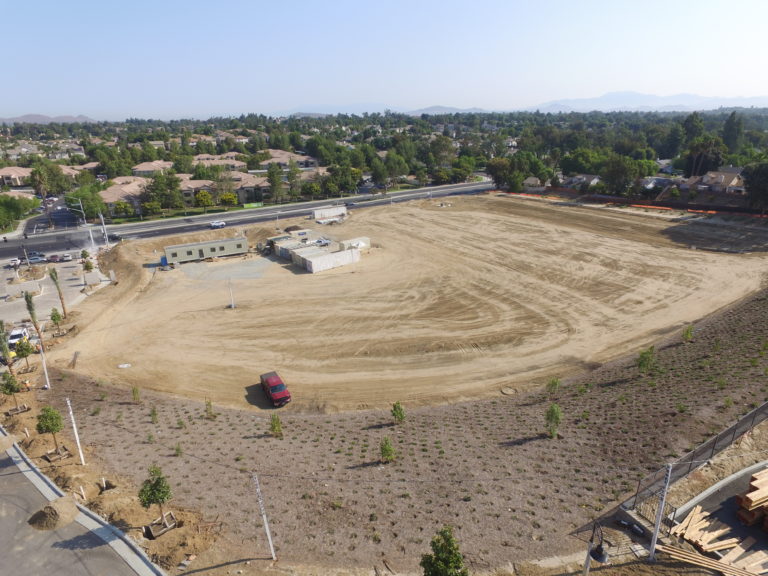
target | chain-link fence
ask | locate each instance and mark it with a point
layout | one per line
(645, 500)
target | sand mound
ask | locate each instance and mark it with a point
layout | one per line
(56, 514)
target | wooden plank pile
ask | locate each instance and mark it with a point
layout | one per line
(713, 536)
(753, 504)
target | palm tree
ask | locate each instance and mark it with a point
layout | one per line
(33, 317)
(53, 273)
(5, 350)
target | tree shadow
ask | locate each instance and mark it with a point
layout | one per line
(380, 426)
(86, 541)
(364, 465)
(222, 565)
(616, 382)
(524, 440)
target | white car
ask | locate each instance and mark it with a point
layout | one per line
(66, 257)
(37, 260)
(218, 224)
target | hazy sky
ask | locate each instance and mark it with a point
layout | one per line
(165, 59)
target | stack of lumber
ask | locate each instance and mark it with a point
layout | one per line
(753, 504)
(704, 561)
(712, 536)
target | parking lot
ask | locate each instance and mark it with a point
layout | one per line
(13, 307)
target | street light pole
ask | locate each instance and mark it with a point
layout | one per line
(660, 514)
(596, 552)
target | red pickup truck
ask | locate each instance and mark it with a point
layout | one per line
(275, 389)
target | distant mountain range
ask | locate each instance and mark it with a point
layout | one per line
(610, 102)
(43, 119)
(637, 102)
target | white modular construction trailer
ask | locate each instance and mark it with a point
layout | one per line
(329, 212)
(329, 260)
(180, 253)
(361, 243)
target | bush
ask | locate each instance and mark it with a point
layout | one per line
(387, 450)
(446, 559)
(275, 426)
(398, 413)
(553, 417)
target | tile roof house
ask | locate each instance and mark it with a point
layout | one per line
(147, 169)
(228, 161)
(15, 176)
(124, 189)
(190, 187)
(283, 157)
(721, 181)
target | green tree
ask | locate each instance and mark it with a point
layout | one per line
(553, 417)
(56, 318)
(275, 426)
(203, 199)
(10, 387)
(24, 349)
(619, 173)
(756, 183)
(398, 413)
(553, 386)
(275, 179)
(5, 349)
(693, 126)
(54, 275)
(49, 421)
(646, 360)
(122, 208)
(293, 177)
(229, 199)
(733, 133)
(445, 559)
(155, 490)
(33, 316)
(387, 450)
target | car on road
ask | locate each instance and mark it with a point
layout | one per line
(275, 389)
(66, 257)
(54, 258)
(218, 224)
(114, 237)
(14, 263)
(35, 254)
(37, 260)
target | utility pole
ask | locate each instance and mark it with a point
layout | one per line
(77, 436)
(264, 515)
(660, 513)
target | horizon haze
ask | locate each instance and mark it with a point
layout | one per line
(177, 59)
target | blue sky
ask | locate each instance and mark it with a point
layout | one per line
(170, 59)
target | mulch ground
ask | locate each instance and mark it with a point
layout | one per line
(487, 467)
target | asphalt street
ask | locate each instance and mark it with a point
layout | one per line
(26, 551)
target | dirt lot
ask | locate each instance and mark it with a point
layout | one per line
(453, 303)
(483, 300)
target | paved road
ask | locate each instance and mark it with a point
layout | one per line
(25, 551)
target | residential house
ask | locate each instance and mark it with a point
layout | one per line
(227, 161)
(581, 181)
(282, 158)
(729, 182)
(190, 187)
(148, 169)
(124, 189)
(14, 176)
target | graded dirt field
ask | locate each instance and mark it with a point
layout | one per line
(482, 300)
(451, 303)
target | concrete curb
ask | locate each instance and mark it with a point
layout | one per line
(123, 546)
(683, 510)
